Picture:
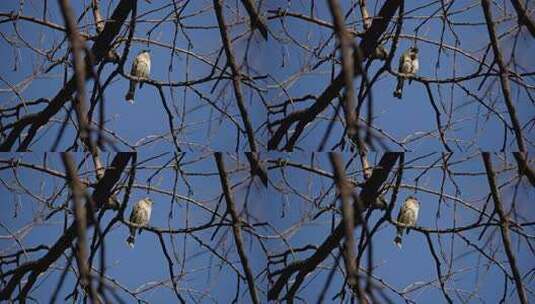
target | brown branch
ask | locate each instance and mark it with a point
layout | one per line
(345, 189)
(256, 19)
(231, 208)
(504, 76)
(77, 48)
(346, 47)
(80, 222)
(256, 167)
(523, 17)
(504, 227)
(236, 75)
(523, 166)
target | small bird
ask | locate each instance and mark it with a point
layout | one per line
(408, 66)
(140, 215)
(408, 215)
(141, 69)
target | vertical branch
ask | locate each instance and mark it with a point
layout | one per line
(344, 189)
(170, 266)
(346, 46)
(77, 47)
(504, 76)
(504, 227)
(80, 214)
(439, 271)
(169, 119)
(231, 208)
(236, 76)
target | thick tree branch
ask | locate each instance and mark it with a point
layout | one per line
(345, 189)
(346, 47)
(236, 76)
(80, 221)
(231, 208)
(504, 76)
(256, 19)
(523, 17)
(504, 228)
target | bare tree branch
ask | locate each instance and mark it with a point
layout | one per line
(504, 227)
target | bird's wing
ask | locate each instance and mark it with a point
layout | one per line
(135, 213)
(143, 216)
(402, 214)
(134, 69)
(401, 61)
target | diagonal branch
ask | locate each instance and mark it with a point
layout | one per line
(236, 76)
(504, 76)
(231, 208)
(504, 227)
(256, 20)
(523, 17)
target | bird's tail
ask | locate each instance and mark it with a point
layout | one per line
(399, 88)
(131, 240)
(397, 239)
(131, 92)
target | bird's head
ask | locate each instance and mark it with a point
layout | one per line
(414, 200)
(149, 201)
(413, 51)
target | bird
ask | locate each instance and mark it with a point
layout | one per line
(140, 69)
(408, 66)
(141, 216)
(408, 215)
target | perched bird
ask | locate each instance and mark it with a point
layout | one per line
(408, 66)
(140, 215)
(141, 69)
(408, 214)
